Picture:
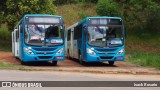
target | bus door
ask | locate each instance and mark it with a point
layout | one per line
(16, 44)
(71, 46)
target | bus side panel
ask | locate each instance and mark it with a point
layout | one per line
(13, 42)
(16, 44)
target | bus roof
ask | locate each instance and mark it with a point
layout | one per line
(41, 15)
(92, 17)
(103, 17)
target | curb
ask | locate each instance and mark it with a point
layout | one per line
(94, 71)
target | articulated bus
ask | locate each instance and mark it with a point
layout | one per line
(97, 39)
(39, 37)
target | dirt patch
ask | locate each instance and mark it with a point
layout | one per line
(73, 66)
(8, 58)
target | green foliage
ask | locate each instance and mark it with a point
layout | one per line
(153, 18)
(4, 34)
(14, 10)
(137, 14)
(62, 2)
(107, 8)
(82, 15)
(5, 39)
(75, 12)
(7, 66)
(145, 59)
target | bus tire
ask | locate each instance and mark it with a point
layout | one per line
(69, 57)
(23, 63)
(80, 59)
(111, 63)
(54, 63)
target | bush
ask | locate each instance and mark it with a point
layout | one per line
(153, 18)
(4, 34)
(107, 8)
(5, 37)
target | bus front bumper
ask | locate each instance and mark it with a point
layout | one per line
(49, 57)
(98, 58)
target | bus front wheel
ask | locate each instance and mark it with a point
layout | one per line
(111, 63)
(54, 63)
(23, 63)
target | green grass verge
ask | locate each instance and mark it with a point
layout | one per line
(5, 39)
(145, 59)
(143, 48)
(6, 48)
(7, 66)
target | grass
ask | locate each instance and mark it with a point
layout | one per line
(7, 66)
(73, 13)
(146, 59)
(6, 48)
(143, 48)
(5, 39)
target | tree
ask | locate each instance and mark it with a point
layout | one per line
(15, 9)
(2, 9)
(153, 17)
(107, 8)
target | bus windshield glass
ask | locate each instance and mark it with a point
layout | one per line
(105, 36)
(43, 34)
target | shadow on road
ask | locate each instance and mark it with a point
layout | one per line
(68, 63)
(40, 63)
(93, 64)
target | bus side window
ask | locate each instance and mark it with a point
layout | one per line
(78, 32)
(17, 35)
(69, 35)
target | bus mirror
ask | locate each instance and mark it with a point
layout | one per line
(15, 29)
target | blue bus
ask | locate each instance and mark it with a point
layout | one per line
(39, 37)
(96, 39)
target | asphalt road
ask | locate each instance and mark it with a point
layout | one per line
(15, 75)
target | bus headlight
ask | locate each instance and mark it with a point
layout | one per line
(91, 52)
(28, 51)
(120, 51)
(60, 51)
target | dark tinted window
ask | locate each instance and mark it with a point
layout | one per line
(17, 35)
(69, 35)
(78, 32)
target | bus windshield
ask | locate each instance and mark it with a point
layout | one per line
(43, 34)
(105, 36)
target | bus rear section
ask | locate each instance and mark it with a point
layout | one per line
(40, 38)
(102, 39)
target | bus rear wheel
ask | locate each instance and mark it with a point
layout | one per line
(54, 63)
(80, 59)
(111, 63)
(69, 57)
